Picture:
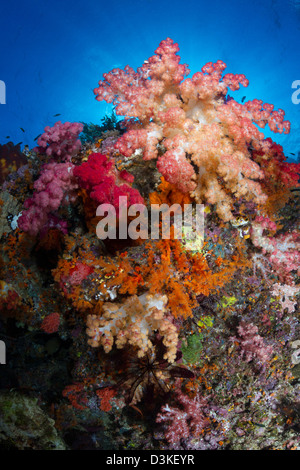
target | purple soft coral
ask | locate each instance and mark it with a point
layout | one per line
(55, 186)
(252, 345)
(60, 141)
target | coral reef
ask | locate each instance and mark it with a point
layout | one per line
(184, 342)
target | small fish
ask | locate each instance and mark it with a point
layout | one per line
(37, 137)
(243, 99)
(22, 129)
(19, 143)
(240, 221)
(292, 154)
(55, 115)
(7, 137)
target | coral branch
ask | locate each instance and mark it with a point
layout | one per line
(55, 187)
(60, 141)
(202, 141)
(133, 322)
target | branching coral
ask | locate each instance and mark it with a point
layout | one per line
(279, 175)
(188, 123)
(183, 275)
(282, 251)
(133, 323)
(104, 183)
(251, 344)
(286, 294)
(190, 419)
(60, 141)
(162, 267)
(55, 187)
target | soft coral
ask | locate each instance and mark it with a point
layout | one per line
(104, 183)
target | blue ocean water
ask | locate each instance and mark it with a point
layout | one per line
(53, 53)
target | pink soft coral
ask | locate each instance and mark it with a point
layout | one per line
(51, 323)
(190, 419)
(251, 344)
(275, 167)
(60, 141)
(55, 187)
(282, 251)
(202, 142)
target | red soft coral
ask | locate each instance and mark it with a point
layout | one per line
(104, 183)
(51, 323)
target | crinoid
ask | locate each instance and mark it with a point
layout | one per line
(150, 375)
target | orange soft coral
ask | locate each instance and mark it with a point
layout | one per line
(134, 322)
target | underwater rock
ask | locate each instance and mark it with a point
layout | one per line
(25, 425)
